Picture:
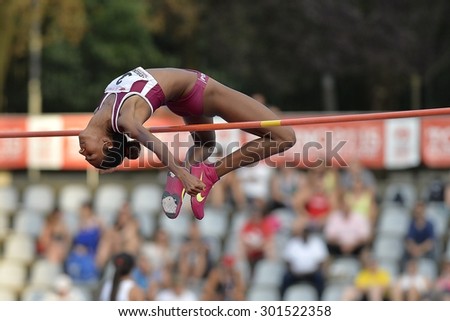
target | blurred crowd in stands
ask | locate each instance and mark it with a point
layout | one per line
(268, 234)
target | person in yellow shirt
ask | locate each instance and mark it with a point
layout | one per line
(371, 283)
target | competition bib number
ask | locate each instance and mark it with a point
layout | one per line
(123, 83)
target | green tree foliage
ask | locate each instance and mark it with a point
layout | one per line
(372, 49)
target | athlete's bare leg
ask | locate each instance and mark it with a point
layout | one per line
(234, 106)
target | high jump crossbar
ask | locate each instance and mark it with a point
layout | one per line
(308, 120)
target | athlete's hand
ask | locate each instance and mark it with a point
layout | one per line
(192, 184)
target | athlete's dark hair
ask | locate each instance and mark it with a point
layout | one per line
(121, 148)
(123, 263)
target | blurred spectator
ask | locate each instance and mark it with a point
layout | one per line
(255, 182)
(194, 259)
(361, 200)
(435, 191)
(177, 291)
(80, 265)
(124, 236)
(371, 284)
(411, 285)
(442, 284)
(284, 184)
(55, 239)
(159, 251)
(257, 238)
(314, 202)
(122, 287)
(63, 290)
(420, 240)
(305, 255)
(90, 228)
(224, 282)
(228, 191)
(146, 277)
(357, 170)
(346, 232)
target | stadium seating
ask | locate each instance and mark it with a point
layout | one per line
(301, 292)
(9, 200)
(72, 196)
(108, 200)
(12, 275)
(20, 248)
(145, 199)
(39, 198)
(268, 273)
(263, 293)
(25, 275)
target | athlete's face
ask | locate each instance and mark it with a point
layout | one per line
(92, 148)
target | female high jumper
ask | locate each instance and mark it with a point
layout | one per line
(129, 101)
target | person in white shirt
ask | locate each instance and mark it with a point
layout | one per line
(122, 287)
(176, 292)
(411, 285)
(305, 254)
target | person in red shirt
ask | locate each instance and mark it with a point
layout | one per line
(256, 238)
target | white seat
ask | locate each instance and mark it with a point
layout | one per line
(215, 248)
(428, 268)
(39, 198)
(263, 293)
(388, 248)
(268, 273)
(147, 225)
(439, 216)
(214, 224)
(28, 222)
(43, 273)
(343, 270)
(20, 248)
(286, 217)
(12, 275)
(333, 292)
(108, 200)
(281, 240)
(7, 295)
(178, 227)
(9, 199)
(32, 293)
(243, 267)
(72, 221)
(146, 199)
(301, 292)
(392, 209)
(393, 267)
(401, 193)
(110, 197)
(394, 222)
(72, 197)
(232, 242)
(238, 220)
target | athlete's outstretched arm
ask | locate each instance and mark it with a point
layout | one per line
(138, 132)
